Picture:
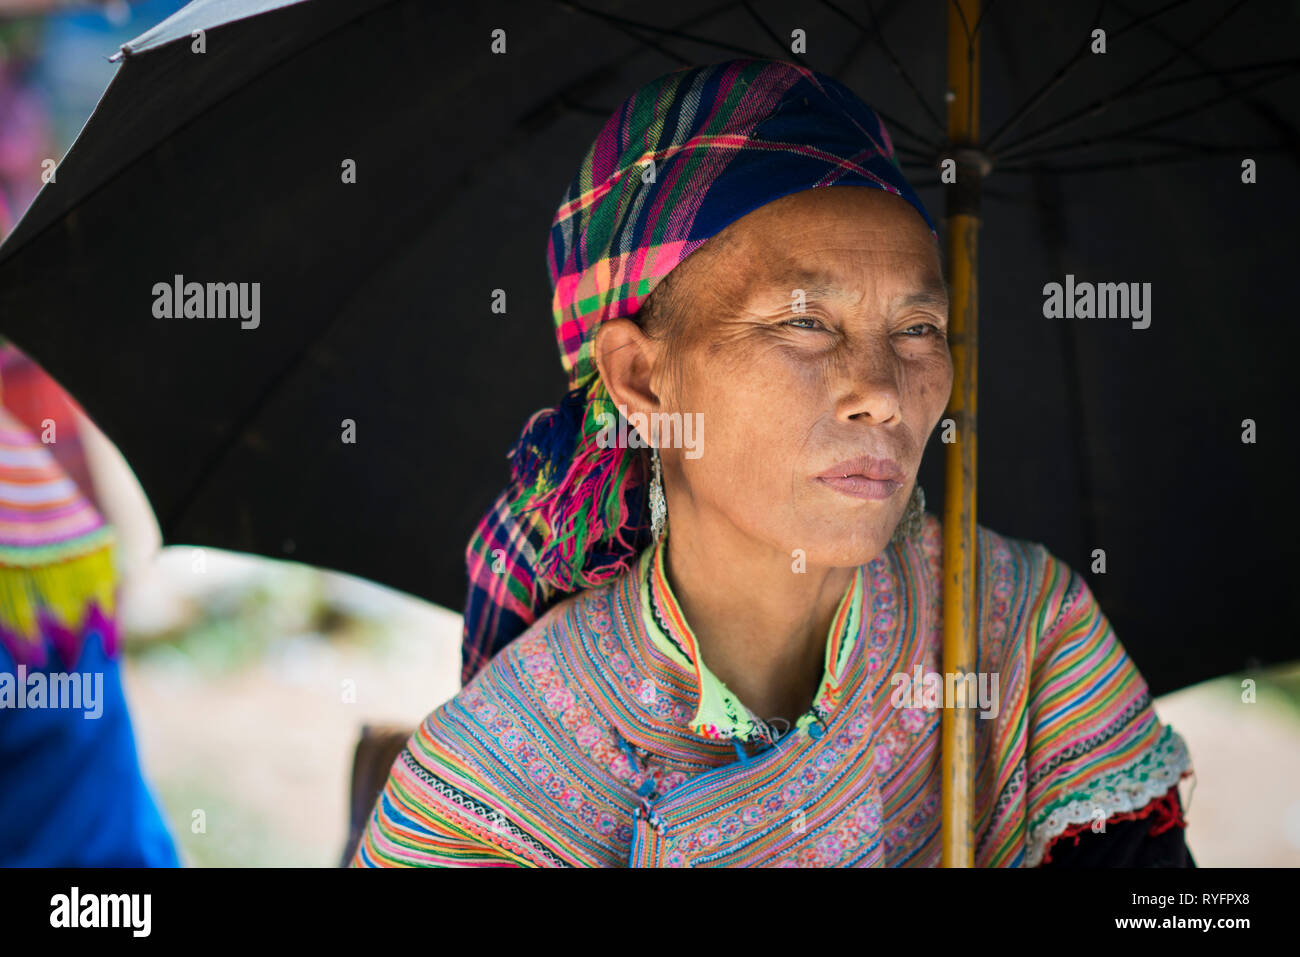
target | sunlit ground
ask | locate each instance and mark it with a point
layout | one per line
(1244, 807)
(250, 710)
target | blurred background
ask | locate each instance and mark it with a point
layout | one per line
(249, 679)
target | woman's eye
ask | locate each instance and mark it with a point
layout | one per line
(925, 329)
(812, 323)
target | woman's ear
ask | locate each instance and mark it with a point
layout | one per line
(626, 358)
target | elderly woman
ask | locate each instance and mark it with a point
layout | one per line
(693, 639)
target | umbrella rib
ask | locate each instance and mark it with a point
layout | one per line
(979, 21)
(1220, 73)
(569, 103)
(564, 97)
(892, 123)
(654, 45)
(1133, 89)
(1031, 102)
(898, 126)
(614, 19)
(1062, 72)
(1013, 199)
(1156, 159)
(965, 27)
(893, 60)
(628, 31)
(858, 46)
(780, 44)
(1168, 118)
(1049, 152)
(864, 38)
(926, 183)
(1265, 111)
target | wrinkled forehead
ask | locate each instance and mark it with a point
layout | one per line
(903, 283)
(873, 216)
(830, 247)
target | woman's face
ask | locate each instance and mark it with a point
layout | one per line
(797, 390)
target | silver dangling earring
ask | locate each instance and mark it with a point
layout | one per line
(913, 520)
(658, 506)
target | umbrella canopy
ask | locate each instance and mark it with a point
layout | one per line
(358, 418)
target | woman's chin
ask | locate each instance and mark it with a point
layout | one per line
(847, 553)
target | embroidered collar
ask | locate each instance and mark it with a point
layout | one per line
(720, 714)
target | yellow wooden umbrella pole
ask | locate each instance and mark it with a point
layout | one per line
(959, 555)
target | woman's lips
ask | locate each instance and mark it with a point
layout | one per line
(859, 486)
(865, 477)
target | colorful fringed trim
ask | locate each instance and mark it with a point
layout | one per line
(585, 494)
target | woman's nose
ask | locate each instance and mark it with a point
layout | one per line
(870, 389)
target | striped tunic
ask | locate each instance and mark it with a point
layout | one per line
(598, 737)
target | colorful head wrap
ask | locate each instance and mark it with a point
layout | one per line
(682, 158)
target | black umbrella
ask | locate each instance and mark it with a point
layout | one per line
(362, 424)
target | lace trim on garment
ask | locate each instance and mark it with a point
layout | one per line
(1127, 789)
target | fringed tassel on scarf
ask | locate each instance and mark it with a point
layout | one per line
(584, 489)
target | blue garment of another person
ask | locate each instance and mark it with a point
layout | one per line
(71, 790)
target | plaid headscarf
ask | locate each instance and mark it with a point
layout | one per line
(682, 158)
